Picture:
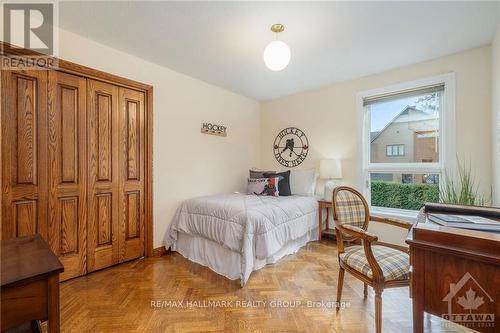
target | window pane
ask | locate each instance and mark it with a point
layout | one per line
(406, 191)
(407, 179)
(401, 150)
(406, 129)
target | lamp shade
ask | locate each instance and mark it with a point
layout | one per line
(330, 169)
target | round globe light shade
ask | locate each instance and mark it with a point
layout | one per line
(277, 55)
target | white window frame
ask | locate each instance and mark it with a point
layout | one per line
(447, 138)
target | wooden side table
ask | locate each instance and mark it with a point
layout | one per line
(324, 204)
(29, 283)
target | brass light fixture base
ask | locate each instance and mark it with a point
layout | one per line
(277, 27)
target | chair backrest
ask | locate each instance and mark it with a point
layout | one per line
(350, 207)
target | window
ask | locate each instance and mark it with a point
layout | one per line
(407, 178)
(395, 150)
(403, 191)
(408, 141)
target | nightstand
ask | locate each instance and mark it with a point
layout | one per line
(324, 204)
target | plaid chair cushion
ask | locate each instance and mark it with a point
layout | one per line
(350, 209)
(395, 264)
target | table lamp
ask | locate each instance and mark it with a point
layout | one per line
(330, 169)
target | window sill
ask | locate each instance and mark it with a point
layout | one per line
(404, 214)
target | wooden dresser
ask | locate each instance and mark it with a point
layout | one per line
(29, 284)
(455, 272)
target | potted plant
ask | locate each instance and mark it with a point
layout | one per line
(461, 191)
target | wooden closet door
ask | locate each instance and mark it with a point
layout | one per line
(24, 153)
(132, 150)
(67, 213)
(104, 175)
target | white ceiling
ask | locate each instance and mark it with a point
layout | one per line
(222, 42)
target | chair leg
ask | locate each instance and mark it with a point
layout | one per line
(378, 311)
(365, 290)
(339, 287)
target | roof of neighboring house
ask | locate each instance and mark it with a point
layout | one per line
(405, 111)
(373, 135)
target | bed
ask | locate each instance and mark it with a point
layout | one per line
(236, 234)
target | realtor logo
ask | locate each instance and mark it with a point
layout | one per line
(467, 301)
(31, 26)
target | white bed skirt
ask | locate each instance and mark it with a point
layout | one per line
(228, 263)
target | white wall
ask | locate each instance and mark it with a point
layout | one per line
(495, 118)
(186, 163)
(330, 119)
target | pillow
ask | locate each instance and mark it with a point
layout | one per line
(284, 182)
(257, 173)
(263, 186)
(303, 182)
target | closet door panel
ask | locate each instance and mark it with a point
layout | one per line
(132, 144)
(104, 218)
(24, 157)
(67, 154)
(104, 175)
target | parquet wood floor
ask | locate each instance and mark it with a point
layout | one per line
(119, 299)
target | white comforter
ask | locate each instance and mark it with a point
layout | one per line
(254, 226)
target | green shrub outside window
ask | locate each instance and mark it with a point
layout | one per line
(403, 196)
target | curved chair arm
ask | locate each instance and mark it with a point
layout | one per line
(377, 275)
(397, 223)
(367, 238)
(355, 232)
(358, 233)
(392, 221)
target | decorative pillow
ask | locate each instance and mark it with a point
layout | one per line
(284, 182)
(263, 186)
(303, 182)
(257, 173)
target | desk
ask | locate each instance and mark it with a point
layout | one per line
(29, 283)
(455, 272)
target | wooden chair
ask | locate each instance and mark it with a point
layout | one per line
(379, 266)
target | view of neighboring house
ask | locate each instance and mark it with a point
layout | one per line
(412, 136)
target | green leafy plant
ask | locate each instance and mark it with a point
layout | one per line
(404, 196)
(463, 190)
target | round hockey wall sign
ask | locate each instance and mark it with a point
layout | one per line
(291, 147)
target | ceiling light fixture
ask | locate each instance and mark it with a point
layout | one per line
(277, 53)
